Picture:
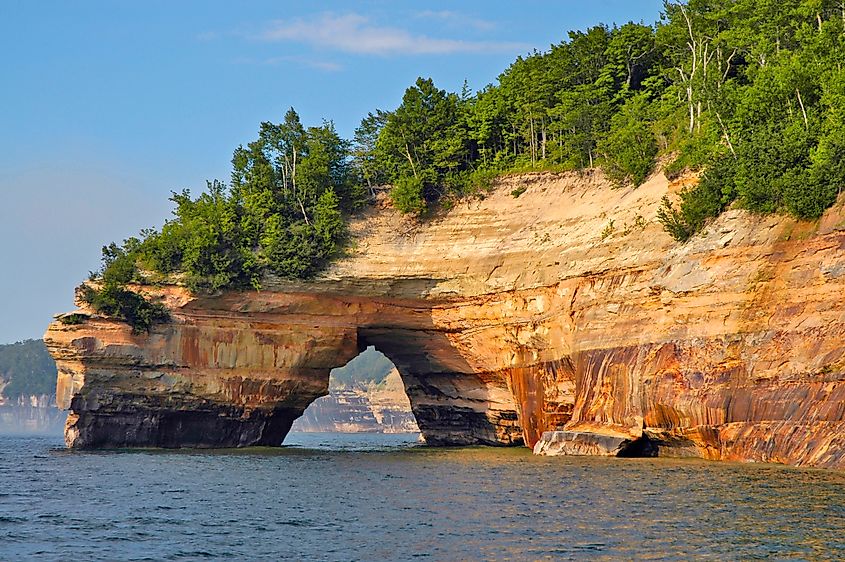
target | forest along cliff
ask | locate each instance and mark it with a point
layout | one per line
(554, 312)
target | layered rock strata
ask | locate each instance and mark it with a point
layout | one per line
(566, 309)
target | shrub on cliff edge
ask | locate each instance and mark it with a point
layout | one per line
(121, 303)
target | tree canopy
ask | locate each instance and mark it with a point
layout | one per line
(281, 212)
(756, 81)
(749, 92)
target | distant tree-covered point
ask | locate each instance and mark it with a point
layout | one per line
(26, 369)
(748, 93)
(371, 366)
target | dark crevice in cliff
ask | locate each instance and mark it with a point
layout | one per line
(642, 447)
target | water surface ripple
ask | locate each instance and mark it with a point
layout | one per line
(377, 497)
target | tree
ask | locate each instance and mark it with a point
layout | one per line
(328, 222)
(26, 369)
(630, 53)
(581, 117)
(290, 250)
(365, 154)
(421, 138)
(629, 149)
(407, 195)
(700, 203)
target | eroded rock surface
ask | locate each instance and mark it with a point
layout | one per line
(565, 309)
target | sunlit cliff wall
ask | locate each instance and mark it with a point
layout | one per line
(565, 319)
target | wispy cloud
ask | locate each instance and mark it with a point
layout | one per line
(326, 66)
(354, 33)
(457, 19)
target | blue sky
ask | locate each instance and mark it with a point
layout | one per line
(106, 107)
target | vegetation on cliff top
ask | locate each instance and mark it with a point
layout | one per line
(751, 92)
(282, 212)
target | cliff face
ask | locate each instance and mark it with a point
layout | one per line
(565, 319)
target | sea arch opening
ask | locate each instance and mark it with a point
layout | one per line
(452, 403)
(365, 396)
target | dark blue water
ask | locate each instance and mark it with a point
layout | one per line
(382, 497)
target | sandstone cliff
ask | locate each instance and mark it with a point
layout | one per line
(563, 318)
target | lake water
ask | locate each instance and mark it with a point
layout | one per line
(384, 497)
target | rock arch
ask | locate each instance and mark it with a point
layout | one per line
(237, 369)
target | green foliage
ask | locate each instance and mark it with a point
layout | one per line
(283, 213)
(769, 164)
(761, 81)
(826, 176)
(367, 157)
(695, 152)
(26, 369)
(213, 251)
(119, 262)
(481, 180)
(629, 149)
(121, 303)
(290, 250)
(407, 195)
(751, 92)
(607, 230)
(698, 204)
(424, 143)
(768, 101)
(112, 298)
(328, 222)
(518, 191)
(673, 220)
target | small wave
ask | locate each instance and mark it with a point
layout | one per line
(590, 547)
(193, 554)
(297, 523)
